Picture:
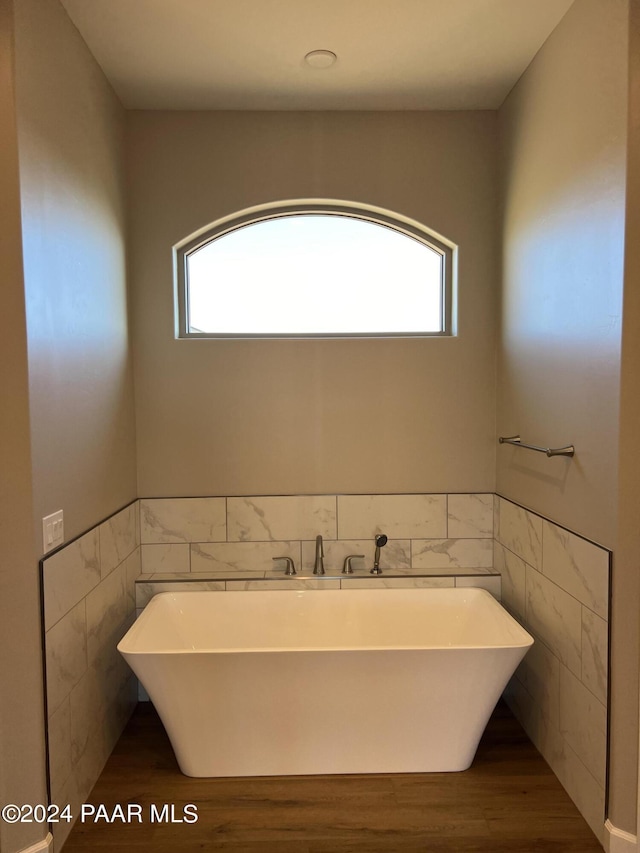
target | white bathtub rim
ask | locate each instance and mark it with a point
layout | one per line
(245, 650)
(520, 638)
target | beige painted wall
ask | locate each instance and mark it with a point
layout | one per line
(563, 132)
(627, 557)
(22, 767)
(234, 417)
(71, 129)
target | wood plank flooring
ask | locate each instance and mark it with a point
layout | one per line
(509, 800)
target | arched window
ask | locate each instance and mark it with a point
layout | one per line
(314, 269)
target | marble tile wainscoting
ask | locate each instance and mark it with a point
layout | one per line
(89, 604)
(557, 585)
(241, 536)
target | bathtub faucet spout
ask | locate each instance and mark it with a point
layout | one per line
(318, 567)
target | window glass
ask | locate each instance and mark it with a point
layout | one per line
(314, 274)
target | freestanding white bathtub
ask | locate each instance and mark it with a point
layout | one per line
(341, 681)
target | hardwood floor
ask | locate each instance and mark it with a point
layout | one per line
(509, 800)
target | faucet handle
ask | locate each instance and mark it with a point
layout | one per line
(347, 569)
(290, 569)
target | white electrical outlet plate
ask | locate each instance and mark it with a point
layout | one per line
(52, 531)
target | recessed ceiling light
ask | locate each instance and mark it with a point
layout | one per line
(320, 58)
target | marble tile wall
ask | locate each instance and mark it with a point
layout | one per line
(89, 604)
(243, 535)
(557, 585)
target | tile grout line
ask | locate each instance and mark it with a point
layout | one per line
(446, 509)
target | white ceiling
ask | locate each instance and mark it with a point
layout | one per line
(248, 54)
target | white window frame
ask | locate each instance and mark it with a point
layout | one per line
(278, 210)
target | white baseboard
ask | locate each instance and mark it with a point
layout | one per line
(44, 846)
(618, 841)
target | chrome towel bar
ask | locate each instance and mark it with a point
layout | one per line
(569, 450)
